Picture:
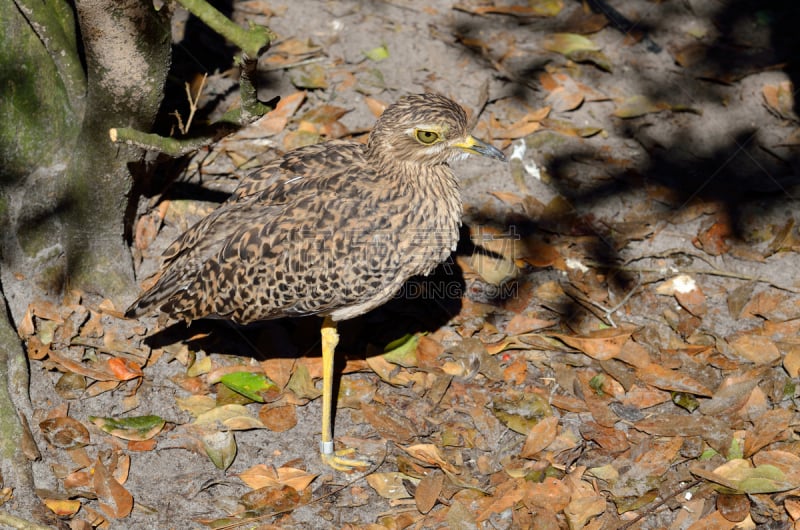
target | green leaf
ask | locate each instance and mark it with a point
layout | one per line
(248, 384)
(302, 385)
(310, 76)
(567, 43)
(220, 447)
(403, 351)
(522, 413)
(378, 54)
(577, 48)
(685, 400)
(135, 428)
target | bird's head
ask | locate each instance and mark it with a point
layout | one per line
(427, 130)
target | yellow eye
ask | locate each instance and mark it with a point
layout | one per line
(426, 137)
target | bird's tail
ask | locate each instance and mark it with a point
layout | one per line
(156, 296)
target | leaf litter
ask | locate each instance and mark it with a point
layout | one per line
(580, 403)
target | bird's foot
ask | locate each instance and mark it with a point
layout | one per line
(341, 460)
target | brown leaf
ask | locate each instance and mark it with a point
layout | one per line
(115, 501)
(146, 231)
(713, 521)
(521, 324)
(541, 254)
(645, 397)
(756, 349)
(596, 400)
(694, 301)
(780, 99)
(260, 476)
(733, 508)
(95, 371)
(65, 432)
(506, 495)
(429, 454)
(428, 490)
(36, 349)
(602, 344)
(389, 485)
(271, 499)
(62, 507)
(562, 100)
(124, 369)
(516, 371)
(46, 310)
(278, 419)
(767, 428)
(791, 360)
(666, 379)
(713, 240)
(739, 297)
(388, 425)
(581, 509)
(761, 304)
(569, 129)
(279, 370)
(539, 437)
(608, 438)
(673, 425)
(275, 121)
(375, 106)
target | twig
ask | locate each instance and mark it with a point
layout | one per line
(6, 519)
(304, 62)
(193, 101)
(251, 41)
(607, 312)
(709, 272)
(169, 146)
(192, 106)
(659, 504)
(252, 108)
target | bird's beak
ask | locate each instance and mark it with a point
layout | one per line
(473, 145)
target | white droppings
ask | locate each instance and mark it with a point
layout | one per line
(518, 150)
(576, 264)
(684, 283)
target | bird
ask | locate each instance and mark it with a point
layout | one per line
(332, 229)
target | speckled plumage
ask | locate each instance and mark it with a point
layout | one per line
(331, 229)
(334, 228)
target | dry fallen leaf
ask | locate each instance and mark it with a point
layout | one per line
(260, 476)
(603, 344)
(577, 48)
(115, 501)
(428, 490)
(780, 99)
(278, 419)
(275, 121)
(390, 485)
(757, 349)
(540, 436)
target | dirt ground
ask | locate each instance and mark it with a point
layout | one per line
(618, 325)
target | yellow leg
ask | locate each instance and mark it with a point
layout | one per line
(335, 459)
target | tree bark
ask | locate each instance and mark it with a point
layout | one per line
(63, 184)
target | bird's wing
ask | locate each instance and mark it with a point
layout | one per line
(267, 203)
(263, 259)
(333, 156)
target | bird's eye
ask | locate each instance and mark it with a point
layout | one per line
(426, 137)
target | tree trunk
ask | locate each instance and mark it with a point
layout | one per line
(63, 185)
